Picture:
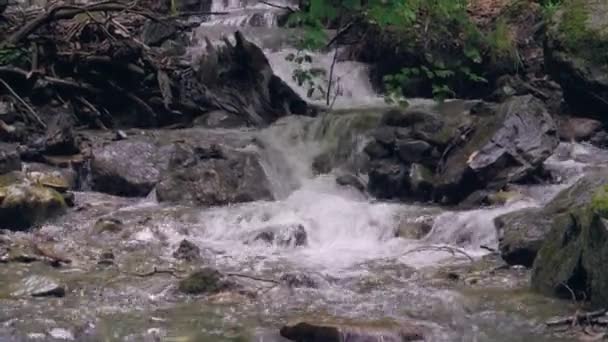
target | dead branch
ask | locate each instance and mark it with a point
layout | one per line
(578, 318)
(25, 104)
(451, 250)
(287, 8)
(240, 275)
(51, 80)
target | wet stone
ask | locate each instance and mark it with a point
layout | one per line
(205, 281)
(109, 225)
(40, 286)
(187, 251)
(304, 332)
(282, 236)
(299, 280)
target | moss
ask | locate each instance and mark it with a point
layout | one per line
(577, 36)
(205, 281)
(599, 203)
(503, 46)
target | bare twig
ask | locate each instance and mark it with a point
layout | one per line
(331, 76)
(25, 104)
(291, 10)
(240, 275)
(451, 250)
(577, 318)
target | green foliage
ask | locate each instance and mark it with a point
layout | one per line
(305, 74)
(599, 203)
(577, 37)
(503, 46)
(423, 25)
(550, 7)
(12, 55)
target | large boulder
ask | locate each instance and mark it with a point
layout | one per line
(576, 55)
(522, 233)
(448, 152)
(571, 262)
(237, 78)
(213, 176)
(128, 167)
(24, 205)
(190, 166)
(502, 148)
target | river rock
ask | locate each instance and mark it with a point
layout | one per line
(128, 167)
(238, 79)
(328, 332)
(213, 176)
(9, 158)
(23, 205)
(522, 233)
(299, 280)
(575, 52)
(350, 180)
(503, 147)
(40, 286)
(204, 281)
(286, 235)
(156, 32)
(387, 178)
(573, 258)
(187, 251)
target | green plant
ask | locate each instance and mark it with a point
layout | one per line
(599, 202)
(12, 55)
(503, 46)
(305, 74)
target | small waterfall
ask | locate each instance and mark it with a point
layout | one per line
(350, 84)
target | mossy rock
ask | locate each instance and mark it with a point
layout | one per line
(599, 203)
(572, 260)
(205, 281)
(53, 180)
(26, 205)
(576, 55)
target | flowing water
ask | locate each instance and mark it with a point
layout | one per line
(354, 268)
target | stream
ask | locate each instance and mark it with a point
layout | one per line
(354, 269)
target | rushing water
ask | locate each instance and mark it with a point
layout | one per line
(361, 270)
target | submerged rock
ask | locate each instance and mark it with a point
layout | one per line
(187, 251)
(328, 332)
(40, 286)
(578, 129)
(299, 280)
(521, 233)
(205, 281)
(287, 235)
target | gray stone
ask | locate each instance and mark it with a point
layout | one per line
(40, 286)
(287, 235)
(522, 233)
(413, 151)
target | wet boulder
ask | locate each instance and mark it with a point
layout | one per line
(522, 233)
(573, 258)
(40, 286)
(336, 332)
(187, 251)
(575, 55)
(387, 178)
(286, 235)
(24, 205)
(213, 176)
(238, 79)
(205, 281)
(128, 167)
(499, 148)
